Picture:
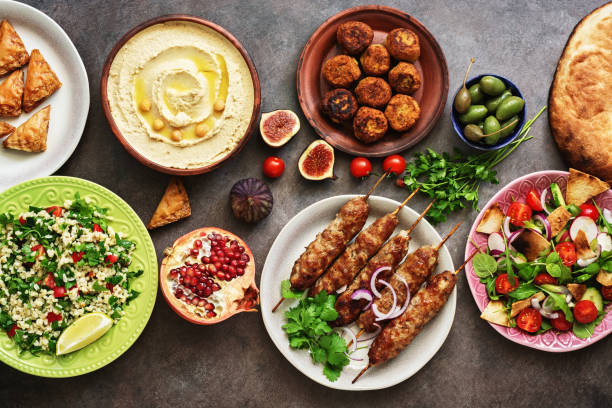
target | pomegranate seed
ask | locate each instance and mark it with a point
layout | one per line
(220, 275)
(241, 249)
(245, 257)
(209, 282)
(241, 264)
(194, 300)
(211, 236)
(207, 292)
(194, 281)
(194, 252)
(182, 281)
(178, 292)
(219, 254)
(205, 260)
(215, 287)
(184, 298)
(218, 265)
(200, 286)
(211, 314)
(234, 263)
(197, 243)
(224, 268)
(232, 270)
(214, 259)
(209, 306)
(212, 268)
(183, 270)
(239, 271)
(201, 268)
(197, 274)
(173, 274)
(201, 293)
(189, 271)
(202, 303)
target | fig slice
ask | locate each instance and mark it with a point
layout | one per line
(317, 161)
(278, 127)
(189, 259)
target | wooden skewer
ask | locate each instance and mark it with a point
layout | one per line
(381, 178)
(465, 263)
(448, 236)
(397, 210)
(413, 226)
(278, 304)
(361, 373)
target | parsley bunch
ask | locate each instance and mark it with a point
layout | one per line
(307, 327)
(454, 180)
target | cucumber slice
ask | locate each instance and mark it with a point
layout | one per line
(557, 195)
(552, 288)
(594, 296)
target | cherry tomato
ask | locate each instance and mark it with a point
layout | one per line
(585, 311)
(59, 291)
(55, 210)
(40, 251)
(395, 164)
(22, 220)
(360, 167)
(589, 210)
(97, 228)
(519, 213)
(12, 331)
(544, 278)
(529, 320)
(503, 285)
(606, 292)
(111, 259)
(561, 323)
(53, 317)
(49, 281)
(273, 167)
(567, 252)
(533, 200)
(76, 256)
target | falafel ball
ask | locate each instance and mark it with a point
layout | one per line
(369, 124)
(403, 44)
(341, 71)
(354, 36)
(339, 105)
(405, 78)
(375, 60)
(402, 112)
(373, 91)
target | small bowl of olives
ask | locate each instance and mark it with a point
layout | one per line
(488, 112)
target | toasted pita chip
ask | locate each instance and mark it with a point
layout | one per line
(531, 244)
(581, 187)
(495, 312)
(604, 277)
(11, 93)
(13, 53)
(41, 82)
(583, 249)
(173, 206)
(577, 290)
(31, 136)
(5, 129)
(557, 220)
(525, 303)
(492, 220)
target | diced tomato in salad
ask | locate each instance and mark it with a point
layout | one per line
(529, 320)
(503, 285)
(519, 213)
(55, 210)
(533, 200)
(589, 210)
(545, 278)
(567, 252)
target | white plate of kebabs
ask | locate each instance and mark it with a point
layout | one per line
(370, 233)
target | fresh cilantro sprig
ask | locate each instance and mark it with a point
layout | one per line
(454, 180)
(307, 327)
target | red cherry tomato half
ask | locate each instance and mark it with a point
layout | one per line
(529, 320)
(585, 311)
(561, 323)
(606, 292)
(97, 228)
(55, 210)
(111, 259)
(273, 167)
(503, 285)
(544, 278)
(395, 164)
(59, 291)
(519, 213)
(567, 252)
(360, 167)
(589, 210)
(533, 200)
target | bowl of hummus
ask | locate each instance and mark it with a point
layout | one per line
(181, 94)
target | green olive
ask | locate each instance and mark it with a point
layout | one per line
(491, 85)
(472, 133)
(506, 132)
(491, 124)
(474, 114)
(476, 94)
(463, 100)
(493, 103)
(509, 107)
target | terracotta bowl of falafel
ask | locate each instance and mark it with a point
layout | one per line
(372, 81)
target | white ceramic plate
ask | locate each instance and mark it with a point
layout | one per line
(69, 105)
(288, 246)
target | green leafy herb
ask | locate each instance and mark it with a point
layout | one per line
(288, 293)
(524, 291)
(484, 265)
(585, 331)
(559, 303)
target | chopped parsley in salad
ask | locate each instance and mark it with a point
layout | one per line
(548, 261)
(57, 264)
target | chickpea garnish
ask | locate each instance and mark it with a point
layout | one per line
(158, 124)
(145, 105)
(201, 130)
(219, 105)
(176, 135)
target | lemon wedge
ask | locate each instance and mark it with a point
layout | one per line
(83, 331)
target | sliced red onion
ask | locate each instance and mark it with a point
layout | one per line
(543, 200)
(373, 336)
(546, 224)
(352, 337)
(507, 231)
(607, 214)
(495, 242)
(373, 280)
(568, 298)
(384, 316)
(549, 315)
(514, 235)
(571, 304)
(401, 310)
(363, 294)
(546, 307)
(535, 303)
(341, 289)
(496, 252)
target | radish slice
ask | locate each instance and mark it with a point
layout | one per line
(362, 294)
(542, 219)
(607, 214)
(373, 279)
(352, 337)
(605, 241)
(496, 243)
(507, 227)
(543, 200)
(373, 336)
(587, 225)
(341, 289)
(384, 316)
(401, 310)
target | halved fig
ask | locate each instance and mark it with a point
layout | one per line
(317, 161)
(278, 127)
(208, 275)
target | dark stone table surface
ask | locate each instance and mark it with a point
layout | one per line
(235, 364)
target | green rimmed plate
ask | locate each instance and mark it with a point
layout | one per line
(48, 191)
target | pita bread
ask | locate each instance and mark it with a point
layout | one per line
(173, 206)
(495, 312)
(41, 82)
(520, 305)
(5, 129)
(492, 220)
(583, 249)
(604, 277)
(581, 187)
(13, 53)
(580, 99)
(577, 290)
(557, 220)
(31, 136)
(11, 93)
(531, 244)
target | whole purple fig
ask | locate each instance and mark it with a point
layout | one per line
(251, 200)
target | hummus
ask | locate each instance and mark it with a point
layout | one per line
(181, 94)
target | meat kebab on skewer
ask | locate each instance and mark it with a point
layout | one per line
(357, 254)
(383, 263)
(400, 332)
(330, 243)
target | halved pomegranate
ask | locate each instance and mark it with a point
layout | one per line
(208, 275)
